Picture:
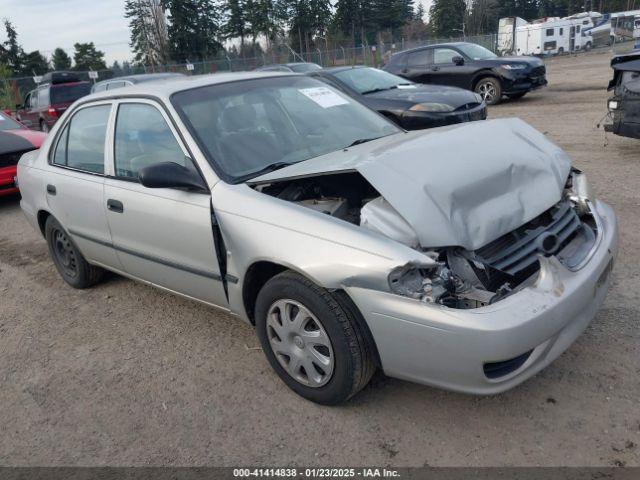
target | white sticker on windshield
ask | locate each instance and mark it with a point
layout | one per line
(324, 97)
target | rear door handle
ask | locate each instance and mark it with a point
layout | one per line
(115, 206)
(51, 189)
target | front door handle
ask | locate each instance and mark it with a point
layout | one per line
(51, 189)
(115, 205)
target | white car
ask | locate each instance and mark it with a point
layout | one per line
(465, 257)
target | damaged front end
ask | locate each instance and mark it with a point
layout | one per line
(467, 279)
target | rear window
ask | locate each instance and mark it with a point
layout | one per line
(69, 93)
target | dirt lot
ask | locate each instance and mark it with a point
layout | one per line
(122, 374)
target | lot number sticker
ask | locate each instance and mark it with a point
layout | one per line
(324, 97)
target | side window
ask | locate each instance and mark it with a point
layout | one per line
(551, 32)
(60, 155)
(43, 97)
(143, 138)
(34, 99)
(27, 101)
(86, 138)
(100, 87)
(114, 85)
(444, 55)
(561, 31)
(420, 58)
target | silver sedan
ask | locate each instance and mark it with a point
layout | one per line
(465, 257)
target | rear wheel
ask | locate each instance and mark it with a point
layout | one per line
(44, 126)
(71, 265)
(490, 90)
(315, 345)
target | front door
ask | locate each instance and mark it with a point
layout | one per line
(161, 235)
(446, 72)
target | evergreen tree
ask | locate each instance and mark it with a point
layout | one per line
(194, 29)
(86, 57)
(447, 18)
(236, 21)
(34, 63)
(11, 53)
(147, 22)
(60, 60)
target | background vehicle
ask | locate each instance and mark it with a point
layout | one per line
(301, 67)
(43, 106)
(353, 242)
(472, 67)
(624, 106)
(129, 80)
(412, 106)
(15, 140)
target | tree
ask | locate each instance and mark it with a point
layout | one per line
(236, 21)
(86, 57)
(60, 60)
(194, 29)
(149, 37)
(482, 17)
(11, 53)
(34, 63)
(307, 20)
(447, 18)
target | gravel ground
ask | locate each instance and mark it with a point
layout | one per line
(122, 374)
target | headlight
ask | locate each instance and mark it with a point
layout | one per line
(580, 191)
(613, 105)
(514, 66)
(432, 107)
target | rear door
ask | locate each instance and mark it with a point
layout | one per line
(417, 68)
(161, 235)
(75, 183)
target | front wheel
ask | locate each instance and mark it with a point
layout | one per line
(490, 90)
(315, 344)
(69, 262)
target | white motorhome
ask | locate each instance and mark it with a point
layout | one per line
(551, 35)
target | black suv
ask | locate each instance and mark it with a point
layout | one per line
(470, 66)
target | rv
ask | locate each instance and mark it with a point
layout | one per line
(551, 35)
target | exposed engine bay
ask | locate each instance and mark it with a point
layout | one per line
(463, 278)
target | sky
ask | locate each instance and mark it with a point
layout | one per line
(46, 24)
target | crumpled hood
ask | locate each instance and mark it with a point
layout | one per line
(463, 185)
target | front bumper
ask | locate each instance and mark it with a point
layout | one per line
(421, 120)
(625, 120)
(7, 181)
(448, 348)
(519, 83)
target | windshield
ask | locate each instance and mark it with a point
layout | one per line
(369, 80)
(8, 123)
(69, 93)
(476, 52)
(247, 126)
(305, 67)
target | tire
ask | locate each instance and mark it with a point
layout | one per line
(71, 265)
(517, 96)
(561, 51)
(588, 46)
(490, 89)
(329, 329)
(44, 127)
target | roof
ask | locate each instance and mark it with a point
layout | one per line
(448, 44)
(144, 77)
(332, 70)
(165, 88)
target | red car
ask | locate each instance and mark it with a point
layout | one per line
(15, 140)
(44, 105)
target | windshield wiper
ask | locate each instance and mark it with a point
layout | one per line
(360, 141)
(379, 90)
(272, 167)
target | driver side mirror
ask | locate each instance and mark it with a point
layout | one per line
(458, 61)
(171, 175)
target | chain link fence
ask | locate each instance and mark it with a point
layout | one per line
(370, 55)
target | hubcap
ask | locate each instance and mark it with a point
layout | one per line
(487, 91)
(64, 253)
(300, 343)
